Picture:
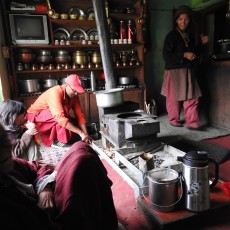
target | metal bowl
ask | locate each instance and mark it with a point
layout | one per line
(109, 98)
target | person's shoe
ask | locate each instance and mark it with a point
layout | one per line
(59, 145)
(176, 125)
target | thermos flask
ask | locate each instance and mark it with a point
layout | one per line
(196, 180)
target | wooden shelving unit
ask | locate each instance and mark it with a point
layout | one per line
(88, 102)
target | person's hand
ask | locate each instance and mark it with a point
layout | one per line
(86, 138)
(31, 129)
(46, 198)
(190, 56)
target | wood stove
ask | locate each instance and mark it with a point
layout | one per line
(125, 127)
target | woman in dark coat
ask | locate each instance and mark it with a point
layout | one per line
(180, 86)
(78, 191)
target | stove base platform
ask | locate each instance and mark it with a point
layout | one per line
(130, 170)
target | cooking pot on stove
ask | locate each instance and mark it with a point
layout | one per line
(109, 98)
(223, 46)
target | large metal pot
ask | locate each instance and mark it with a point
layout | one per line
(109, 98)
(29, 86)
(125, 80)
(48, 83)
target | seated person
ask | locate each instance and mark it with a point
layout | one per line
(21, 135)
(53, 112)
(78, 191)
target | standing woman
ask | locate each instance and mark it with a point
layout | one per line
(180, 86)
(20, 134)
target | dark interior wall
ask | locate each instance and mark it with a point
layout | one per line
(160, 23)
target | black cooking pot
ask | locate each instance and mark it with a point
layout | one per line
(223, 46)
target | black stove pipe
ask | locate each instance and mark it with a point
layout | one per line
(104, 43)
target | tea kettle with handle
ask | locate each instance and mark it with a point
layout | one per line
(196, 180)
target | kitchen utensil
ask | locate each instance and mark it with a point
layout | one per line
(79, 57)
(26, 55)
(76, 10)
(125, 80)
(51, 11)
(61, 34)
(64, 16)
(73, 16)
(92, 81)
(55, 16)
(78, 34)
(109, 98)
(154, 150)
(44, 57)
(29, 86)
(196, 179)
(92, 33)
(163, 189)
(48, 83)
(96, 57)
(62, 57)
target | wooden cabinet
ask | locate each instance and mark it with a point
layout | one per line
(79, 35)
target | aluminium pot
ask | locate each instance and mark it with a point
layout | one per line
(48, 83)
(109, 98)
(125, 80)
(29, 86)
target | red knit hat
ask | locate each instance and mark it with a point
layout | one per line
(74, 82)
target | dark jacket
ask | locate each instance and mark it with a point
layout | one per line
(174, 49)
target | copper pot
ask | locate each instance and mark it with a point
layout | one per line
(26, 56)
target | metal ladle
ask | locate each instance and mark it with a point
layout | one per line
(50, 11)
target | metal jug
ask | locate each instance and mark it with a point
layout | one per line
(196, 180)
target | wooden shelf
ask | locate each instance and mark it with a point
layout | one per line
(88, 101)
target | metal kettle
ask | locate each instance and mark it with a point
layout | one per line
(196, 180)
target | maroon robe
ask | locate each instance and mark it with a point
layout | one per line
(83, 193)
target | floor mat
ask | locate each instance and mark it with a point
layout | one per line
(215, 152)
(171, 133)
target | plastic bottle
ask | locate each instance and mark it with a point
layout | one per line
(92, 81)
(123, 31)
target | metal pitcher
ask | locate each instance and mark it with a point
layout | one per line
(197, 184)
